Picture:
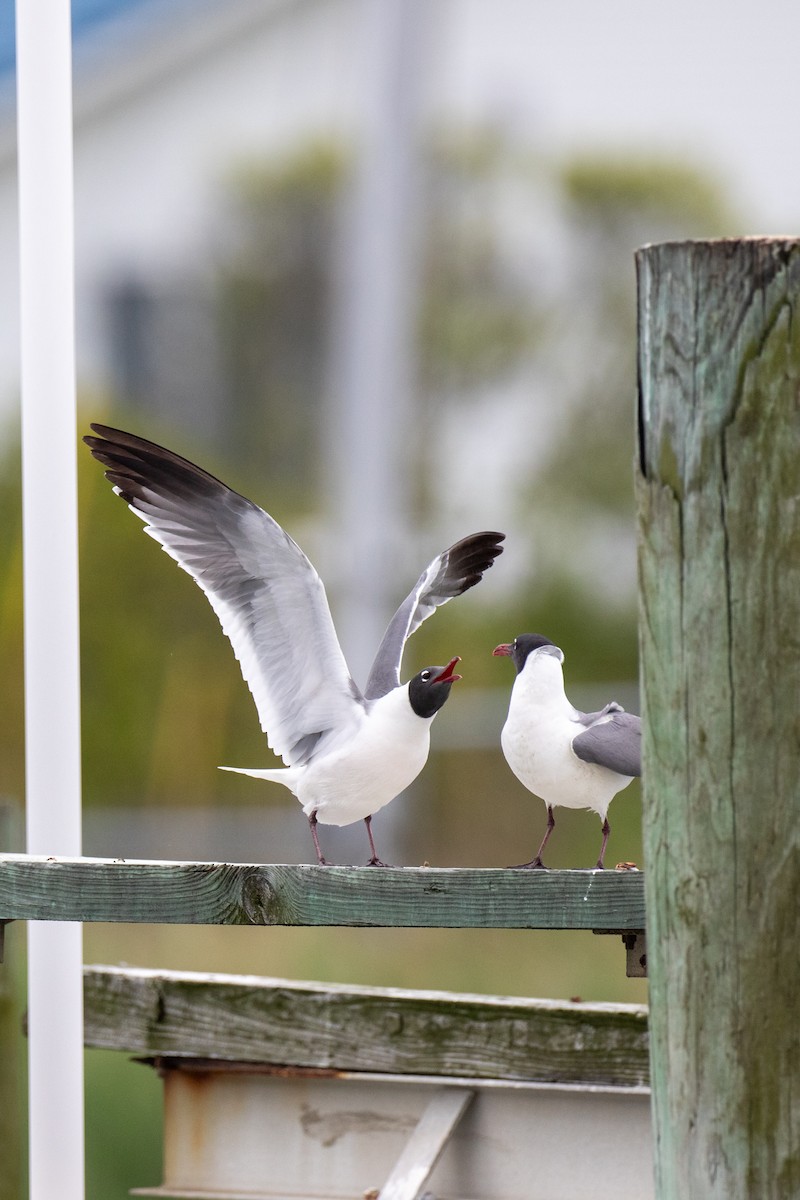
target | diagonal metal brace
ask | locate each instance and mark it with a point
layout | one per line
(423, 1150)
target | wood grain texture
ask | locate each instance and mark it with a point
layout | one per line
(719, 531)
(236, 894)
(333, 1027)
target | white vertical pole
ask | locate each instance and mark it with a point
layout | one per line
(52, 686)
(375, 367)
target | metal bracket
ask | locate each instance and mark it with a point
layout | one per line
(635, 954)
(3, 938)
(635, 943)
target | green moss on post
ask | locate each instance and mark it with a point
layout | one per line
(719, 526)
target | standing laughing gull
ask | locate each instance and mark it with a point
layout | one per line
(347, 753)
(566, 757)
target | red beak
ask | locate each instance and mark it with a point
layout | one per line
(447, 675)
(504, 650)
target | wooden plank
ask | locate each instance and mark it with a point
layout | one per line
(415, 1165)
(62, 889)
(719, 565)
(329, 1027)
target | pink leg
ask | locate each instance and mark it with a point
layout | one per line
(606, 832)
(312, 821)
(374, 860)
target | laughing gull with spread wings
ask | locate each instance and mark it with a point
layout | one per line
(347, 753)
(566, 757)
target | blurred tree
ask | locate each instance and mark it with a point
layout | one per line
(124, 1125)
(478, 315)
(506, 296)
(581, 497)
(11, 664)
(273, 284)
(272, 288)
(612, 206)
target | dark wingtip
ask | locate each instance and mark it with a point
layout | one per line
(469, 558)
(109, 433)
(137, 463)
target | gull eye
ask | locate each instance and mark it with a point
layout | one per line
(425, 676)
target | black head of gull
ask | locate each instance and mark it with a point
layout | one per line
(347, 752)
(564, 756)
(525, 644)
(429, 688)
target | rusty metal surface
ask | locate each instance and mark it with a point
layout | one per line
(164, 1064)
(276, 1135)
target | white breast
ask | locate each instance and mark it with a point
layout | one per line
(537, 743)
(386, 755)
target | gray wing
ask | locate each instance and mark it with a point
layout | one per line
(268, 597)
(454, 571)
(588, 719)
(613, 740)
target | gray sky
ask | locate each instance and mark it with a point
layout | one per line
(715, 80)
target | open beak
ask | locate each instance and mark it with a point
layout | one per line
(447, 676)
(503, 650)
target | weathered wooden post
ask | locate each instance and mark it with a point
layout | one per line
(719, 530)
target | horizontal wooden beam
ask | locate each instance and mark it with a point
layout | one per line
(188, 893)
(180, 1015)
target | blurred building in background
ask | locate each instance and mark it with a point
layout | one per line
(332, 239)
(372, 262)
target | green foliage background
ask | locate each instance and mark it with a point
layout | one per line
(163, 700)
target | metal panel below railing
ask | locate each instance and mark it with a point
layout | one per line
(244, 1130)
